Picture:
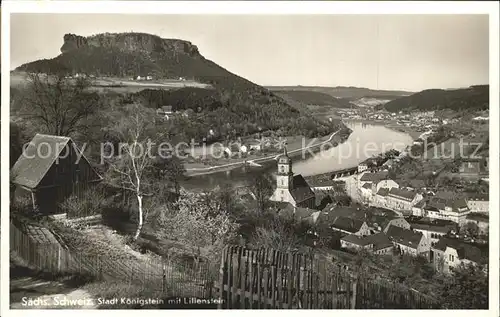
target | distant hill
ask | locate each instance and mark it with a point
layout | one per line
(349, 93)
(472, 98)
(233, 99)
(313, 98)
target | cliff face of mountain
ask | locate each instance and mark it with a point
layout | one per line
(131, 42)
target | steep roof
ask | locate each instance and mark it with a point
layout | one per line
(464, 250)
(405, 237)
(379, 241)
(347, 224)
(37, 159)
(301, 190)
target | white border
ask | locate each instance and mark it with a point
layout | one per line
(252, 7)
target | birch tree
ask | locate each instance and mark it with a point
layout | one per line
(131, 167)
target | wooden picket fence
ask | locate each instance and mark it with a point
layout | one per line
(173, 276)
(269, 279)
(247, 278)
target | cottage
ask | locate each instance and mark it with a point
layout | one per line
(450, 253)
(377, 243)
(348, 225)
(409, 242)
(481, 220)
(51, 169)
(291, 188)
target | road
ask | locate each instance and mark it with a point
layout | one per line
(254, 162)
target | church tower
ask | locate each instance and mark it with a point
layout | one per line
(284, 177)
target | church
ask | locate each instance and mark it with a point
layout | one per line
(292, 188)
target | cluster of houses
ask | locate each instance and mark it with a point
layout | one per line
(400, 220)
(378, 190)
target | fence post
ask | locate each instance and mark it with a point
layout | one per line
(59, 258)
(354, 291)
(164, 276)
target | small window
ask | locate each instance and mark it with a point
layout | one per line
(452, 258)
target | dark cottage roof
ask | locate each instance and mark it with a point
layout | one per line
(464, 250)
(478, 217)
(402, 194)
(348, 224)
(301, 190)
(379, 241)
(36, 160)
(405, 237)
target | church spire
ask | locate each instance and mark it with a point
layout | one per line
(284, 151)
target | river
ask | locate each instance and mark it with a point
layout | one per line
(365, 141)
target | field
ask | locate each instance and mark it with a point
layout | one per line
(122, 84)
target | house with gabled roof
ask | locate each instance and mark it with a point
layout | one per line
(348, 225)
(51, 169)
(409, 242)
(377, 243)
(449, 253)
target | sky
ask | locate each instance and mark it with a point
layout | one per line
(403, 52)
